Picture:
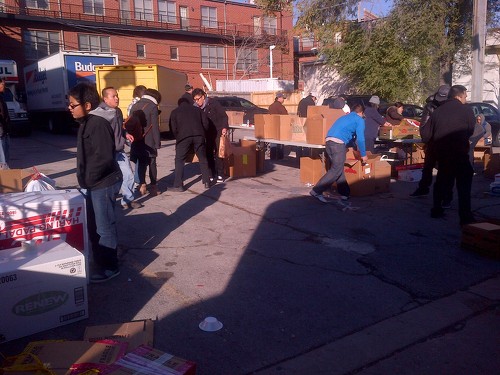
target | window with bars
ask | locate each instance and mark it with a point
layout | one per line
(174, 53)
(38, 44)
(141, 51)
(248, 59)
(167, 11)
(269, 25)
(94, 43)
(143, 10)
(212, 57)
(208, 16)
(37, 4)
(93, 7)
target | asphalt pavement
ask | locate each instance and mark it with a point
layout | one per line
(368, 286)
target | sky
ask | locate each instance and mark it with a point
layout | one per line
(379, 7)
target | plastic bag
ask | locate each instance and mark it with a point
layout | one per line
(40, 182)
(225, 147)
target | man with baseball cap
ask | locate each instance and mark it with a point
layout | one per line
(433, 102)
(277, 108)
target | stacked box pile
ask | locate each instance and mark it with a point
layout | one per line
(483, 238)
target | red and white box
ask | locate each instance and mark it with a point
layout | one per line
(42, 216)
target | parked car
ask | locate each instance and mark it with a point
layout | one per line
(363, 99)
(235, 103)
(411, 111)
(492, 115)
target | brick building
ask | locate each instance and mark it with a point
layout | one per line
(221, 39)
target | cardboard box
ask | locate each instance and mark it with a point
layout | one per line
(235, 117)
(266, 126)
(410, 175)
(243, 162)
(68, 357)
(136, 333)
(284, 123)
(42, 287)
(260, 153)
(14, 180)
(44, 216)
(369, 178)
(311, 170)
(491, 164)
(298, 129)
(156, 361)
(331, 115)
(316, 129)
(483, 238)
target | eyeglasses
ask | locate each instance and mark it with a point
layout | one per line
(73, 106)
(198, 98)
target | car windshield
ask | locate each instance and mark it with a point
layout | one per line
(246, 104)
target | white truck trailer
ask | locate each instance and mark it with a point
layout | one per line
(49, 79)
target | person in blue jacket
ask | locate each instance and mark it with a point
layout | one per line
(343, 131)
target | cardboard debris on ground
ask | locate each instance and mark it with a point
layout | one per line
(14, 180)
(135, 333)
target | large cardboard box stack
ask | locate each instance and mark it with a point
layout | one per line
(14, 180)
(483, 238)
(42, 287)
(43, 216)
(266, 126)
(235, 117)
(368, 178)
(311, 170)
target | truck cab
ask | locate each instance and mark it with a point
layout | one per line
(20, 124)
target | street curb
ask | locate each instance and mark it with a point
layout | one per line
(350, 353)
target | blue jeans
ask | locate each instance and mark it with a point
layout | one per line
(127, 187)
(4, 149)
(336, 152)
(101, 225)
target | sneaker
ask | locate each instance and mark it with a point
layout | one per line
(178, 189)
(419, 193)
(220, 179)
(344, 197)
(103, 276)
(131, 205)
(318, 196)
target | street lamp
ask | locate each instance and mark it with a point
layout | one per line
(271, 60)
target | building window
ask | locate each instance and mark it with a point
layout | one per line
(167, 11)
(308, 41)
(270, 25)
(93, 7)
(94, 43)
(143, 10)
(208, 16)
(212, 57)
(257, 27)
(174, 53)
(38, 44)
(247, 60)
(125, 13)
(38, 4)
(141, 51)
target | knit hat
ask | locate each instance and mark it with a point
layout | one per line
(442, 93)
(280, 95)
(374, 99)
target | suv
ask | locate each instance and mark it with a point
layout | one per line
(492, 116)
(363, 99)
(235, 103)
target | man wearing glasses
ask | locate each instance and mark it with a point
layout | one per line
(217, 126)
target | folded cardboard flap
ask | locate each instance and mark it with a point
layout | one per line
(135, 333)
(14, 180)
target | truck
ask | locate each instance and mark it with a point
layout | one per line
(48, 80)
(124, 78)
(20, 124)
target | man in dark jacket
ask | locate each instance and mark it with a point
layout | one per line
(452, 125)
(217, 126)
(430, 159)
(99, 175)
(4, 126)
(306, 102)
(277, 108)
(188, 95)
(189, 126)
(373, 120)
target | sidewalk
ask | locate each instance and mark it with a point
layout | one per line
(374, 286)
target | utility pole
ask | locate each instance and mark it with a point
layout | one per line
(478, 46)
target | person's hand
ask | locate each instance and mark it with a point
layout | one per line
(364, 159)
(387, 123)
(129, 137)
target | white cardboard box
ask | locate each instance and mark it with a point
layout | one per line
(44, 216)
(41, 287)
(410, 175)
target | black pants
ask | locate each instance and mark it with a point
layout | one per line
(215, 164)
(145, 162)
(454, 168)
(182, 149)
(429, 164)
